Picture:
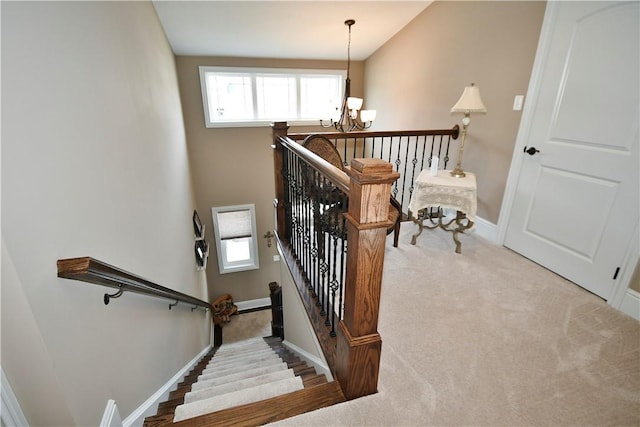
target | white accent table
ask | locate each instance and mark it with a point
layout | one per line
(444, 191)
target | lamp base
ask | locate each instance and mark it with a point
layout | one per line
(458, 173)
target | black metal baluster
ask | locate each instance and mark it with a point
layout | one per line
(397, 164)
(446, 157)
(323, 260)
(343, 265)
(344, 158)
(424, 152)
(294, 191)
(307, 227)
(413, 171)
(316, 229)
(403, 177)
(286, 179)
(355, 142)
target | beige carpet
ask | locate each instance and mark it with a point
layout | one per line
(488, 338)
(247, 325)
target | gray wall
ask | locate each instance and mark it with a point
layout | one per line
(94, 163)
(418, 75)
(233, 166)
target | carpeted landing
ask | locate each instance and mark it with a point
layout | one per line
(252, 324)
(489, 338)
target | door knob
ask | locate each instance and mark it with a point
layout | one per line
(531, 150)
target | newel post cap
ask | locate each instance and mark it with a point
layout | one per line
(370, 171)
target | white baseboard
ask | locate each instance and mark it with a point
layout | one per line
(481, 227)
(486, 230)
(253, 303)
(321, 367)
(111, 416)
(11, 413)
(631, 304)
(150, 406)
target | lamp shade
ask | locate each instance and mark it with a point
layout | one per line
(470, 101)
(367, 115)
(354, 103)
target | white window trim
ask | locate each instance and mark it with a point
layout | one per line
(253, 263)
(257, 123)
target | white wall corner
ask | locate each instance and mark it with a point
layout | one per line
(481, 227)
(150, 406)
(486, 230)
(631, 304)
(320, 365)
(11, 413)
(111, 416)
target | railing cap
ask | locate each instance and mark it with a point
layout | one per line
(371, 170)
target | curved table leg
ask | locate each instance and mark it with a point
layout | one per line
(460, 228)
(422, 215)
(457, 221)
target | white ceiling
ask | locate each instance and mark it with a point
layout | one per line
(283, 29)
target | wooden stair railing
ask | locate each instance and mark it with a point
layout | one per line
(410, 151)
(354, 353)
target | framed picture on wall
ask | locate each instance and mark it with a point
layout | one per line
(201, 252)
(198, 229)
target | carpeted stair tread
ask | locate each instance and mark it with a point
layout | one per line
(216, 367)
(241, 346)
(239, 376)
(237, 385)
(239, 369)
(248, 395)
(238, 355)
(231, 356)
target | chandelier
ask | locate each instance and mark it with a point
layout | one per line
(346, 118)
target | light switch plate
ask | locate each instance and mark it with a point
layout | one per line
(517, 102)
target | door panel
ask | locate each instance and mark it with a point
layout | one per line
(577, 200)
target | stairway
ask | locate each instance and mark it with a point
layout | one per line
(250, 382)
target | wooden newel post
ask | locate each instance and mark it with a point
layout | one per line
(359, 344)
(279, 129)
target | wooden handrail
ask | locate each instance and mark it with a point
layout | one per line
(87, 269)
(454, 132)
(339, 178)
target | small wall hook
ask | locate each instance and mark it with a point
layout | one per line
(174, 304)
(107, 297)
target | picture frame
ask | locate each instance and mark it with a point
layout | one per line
(198, 228)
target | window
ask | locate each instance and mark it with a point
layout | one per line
(258, 96)
(234, 228)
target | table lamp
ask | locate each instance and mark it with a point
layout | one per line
(469, 102)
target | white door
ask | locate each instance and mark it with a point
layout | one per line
(576, 201)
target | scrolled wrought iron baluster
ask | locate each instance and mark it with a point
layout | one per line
(397, 162)
(446, 157)
(324, 267)
(315, 271)
(299, 188)
(344, 158)
(286, 178)
(403, 177)
(343, 265)
(415, 163)
(306, 222)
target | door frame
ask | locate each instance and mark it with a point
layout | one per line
(632, 253)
